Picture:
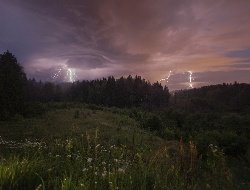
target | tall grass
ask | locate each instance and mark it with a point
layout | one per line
(86, 162)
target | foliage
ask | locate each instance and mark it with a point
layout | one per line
(12, 86)
(123, 92)
(82, 154)
(215, 98)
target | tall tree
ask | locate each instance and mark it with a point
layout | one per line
(12, 85)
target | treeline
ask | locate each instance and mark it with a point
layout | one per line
(215, 98)
(18, 93)
(122, 92)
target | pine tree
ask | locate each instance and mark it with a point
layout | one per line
(12, 86)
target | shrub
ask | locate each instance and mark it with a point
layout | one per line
(153, 123)
(233, 145)
(168, 134)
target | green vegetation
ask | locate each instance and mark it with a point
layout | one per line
(63, 137)
(89, 147)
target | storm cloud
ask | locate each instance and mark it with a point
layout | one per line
(99, 38)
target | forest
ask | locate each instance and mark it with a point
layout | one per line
(186, 139)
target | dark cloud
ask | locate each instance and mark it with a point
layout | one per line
(244, 53)
(120, 37)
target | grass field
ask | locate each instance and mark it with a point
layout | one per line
(85, 147)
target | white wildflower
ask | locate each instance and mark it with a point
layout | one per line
(120, 170)
(104, 173)
(89, 160)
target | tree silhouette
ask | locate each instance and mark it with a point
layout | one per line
(12, 85)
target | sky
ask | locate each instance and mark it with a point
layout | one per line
(181, 43)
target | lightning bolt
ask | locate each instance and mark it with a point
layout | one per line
(190, 78)
(70, 74)
(167, 78)
(56, 75)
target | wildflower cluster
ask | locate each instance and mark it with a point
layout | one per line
(12, 144)
(85, 162)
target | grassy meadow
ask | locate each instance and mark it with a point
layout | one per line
(77, 147)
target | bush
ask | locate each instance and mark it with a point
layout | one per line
(153, 123)
(230, 142)
(168, 134)
(204, 139)
(233, 145)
